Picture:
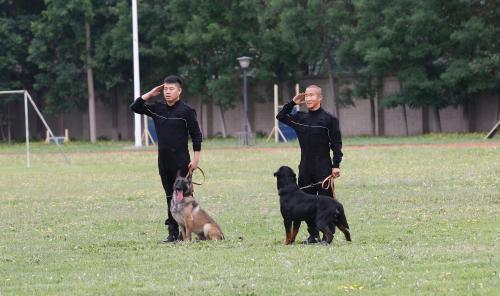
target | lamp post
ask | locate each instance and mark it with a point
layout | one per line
(244, 63)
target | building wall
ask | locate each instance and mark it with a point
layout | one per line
(354, 120)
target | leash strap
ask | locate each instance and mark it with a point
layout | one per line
(202, 173)
(325, 184)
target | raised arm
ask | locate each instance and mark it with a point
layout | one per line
(285, 115)
(139, 105)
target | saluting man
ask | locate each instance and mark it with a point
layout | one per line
(318, 132)
(174, 121)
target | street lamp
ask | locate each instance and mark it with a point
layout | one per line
(244, 63)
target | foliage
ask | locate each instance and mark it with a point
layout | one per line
(443, 53)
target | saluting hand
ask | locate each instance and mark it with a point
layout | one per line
(152, 93)
(299, 98)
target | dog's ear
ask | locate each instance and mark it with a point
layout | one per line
(275, 174)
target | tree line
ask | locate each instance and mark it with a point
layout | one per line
(443, 53)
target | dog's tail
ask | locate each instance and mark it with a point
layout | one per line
(342, 223)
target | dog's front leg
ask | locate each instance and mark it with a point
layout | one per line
(295, 230)
(183, 232)
(288, 231)
(189, 229)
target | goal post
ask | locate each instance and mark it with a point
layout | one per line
(27, 98)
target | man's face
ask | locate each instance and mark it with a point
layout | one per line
(313, 98)
(171, 92)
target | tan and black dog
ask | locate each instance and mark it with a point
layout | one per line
(188, 214)
(296, 206)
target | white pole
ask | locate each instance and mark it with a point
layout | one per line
(276, 127)
(27, 94)
(297, 90)
(27, 130)
(137, 85)
(146, 132)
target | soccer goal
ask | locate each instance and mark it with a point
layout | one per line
(28, 98)
(493, 131)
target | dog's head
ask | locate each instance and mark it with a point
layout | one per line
(285, 176)
(183, 186)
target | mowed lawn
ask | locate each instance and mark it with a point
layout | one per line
(424, 220)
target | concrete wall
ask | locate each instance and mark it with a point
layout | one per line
(117, 122)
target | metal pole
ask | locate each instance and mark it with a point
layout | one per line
(276, 124)
(27, 130)
(137, 86)
(245, 107)
(146, 131)
(27, 94)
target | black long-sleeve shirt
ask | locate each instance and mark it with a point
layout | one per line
(173, 124)
(318, 131)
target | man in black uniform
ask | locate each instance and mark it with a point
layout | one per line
(318, 132)
(174, 120)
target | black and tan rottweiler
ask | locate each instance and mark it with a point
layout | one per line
(297, 206)
(188, 214)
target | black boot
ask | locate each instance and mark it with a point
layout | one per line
(312, 239)
(172, 237)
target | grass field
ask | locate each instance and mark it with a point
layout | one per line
(424, 220)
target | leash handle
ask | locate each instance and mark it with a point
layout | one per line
(325, 184)
(202, 173)
(328, 183)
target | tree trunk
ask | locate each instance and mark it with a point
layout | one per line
(61, 124)
(379, 118)
(437, 118)
(9, 125)
(332, 85)
(405, 118)
(498, 106)
(222, 122)
(372, 116)
(90, 85)
(425, 120)
(114, 115)
(286, 93)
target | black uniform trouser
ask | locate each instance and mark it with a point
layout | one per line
(310, 172)
(169, 162)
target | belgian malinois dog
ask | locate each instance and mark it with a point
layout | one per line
(188, 214)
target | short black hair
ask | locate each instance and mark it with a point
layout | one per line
(173, 79)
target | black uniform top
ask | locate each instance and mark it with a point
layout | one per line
(172, 123)
(318, 132)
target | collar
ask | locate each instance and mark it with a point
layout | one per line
(317, 111)
(288, 188)
(172, 106)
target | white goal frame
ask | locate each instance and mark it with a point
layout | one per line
(27, 97)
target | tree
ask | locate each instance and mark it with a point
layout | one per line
(366, 54)
(212, 35)
(61, 48)
(473, 60)
(15, 71)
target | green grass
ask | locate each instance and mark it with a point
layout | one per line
(424, 220)
(85, 146)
